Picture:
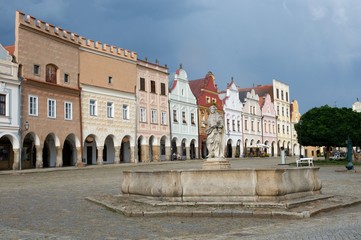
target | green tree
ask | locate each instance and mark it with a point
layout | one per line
(329, 127)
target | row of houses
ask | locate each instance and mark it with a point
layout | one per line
(66, 100)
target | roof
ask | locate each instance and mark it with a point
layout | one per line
(10, 49)
(261, 91)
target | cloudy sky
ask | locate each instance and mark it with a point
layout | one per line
(313, 46)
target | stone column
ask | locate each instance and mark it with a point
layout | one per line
(117, 155)
(131, 151)
(234, 151)
(16, 165)
(188, 153)
(196, 152)
(100, 155)
(39, 156)
(145, 153)
(59, 157)
(168, 153)
(156, 153)
(79, 161)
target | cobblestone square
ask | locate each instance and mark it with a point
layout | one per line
(51, 204)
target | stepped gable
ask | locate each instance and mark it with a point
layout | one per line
(24, 20)
(261, 91)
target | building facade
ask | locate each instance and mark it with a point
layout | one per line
(281, 100)
(269, 134)
(183, 117)
(107, 79)
(10, 131)
(153, 128)
(48, 59)
(206, 92)
(297, 149)
(252, 124)
(233, 109)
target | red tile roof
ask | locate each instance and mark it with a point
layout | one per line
(10, 49)
(259, 90)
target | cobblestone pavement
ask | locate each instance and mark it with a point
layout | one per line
(50, 204)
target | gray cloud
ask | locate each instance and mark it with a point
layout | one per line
(312, 45)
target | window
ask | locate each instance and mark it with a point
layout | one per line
(143, 116)
(110, 80)
(192, 119)
(258, 127)
(51, 73)
(287, 96)
(164, 118)
(245, 125)
(110, 110)
(175, 117)
(92, 107)
(162, 89)
(278, 110)
(281, 94)
(208, 100)
(152, 86)
(154, 116)
(33, 105)
(142, 84)
(283, 111)
(277, 94)
(36, 70)
(265, 127)
(283, 129)
(68, 111)
(233, 125)
(252, 126)
(125, 111)
(51, 108)
(288, 130)
(66, 78)
(239, 126)
(278, 128)
(214, 101)
(228, 125)
(2, 104)
(184, 117)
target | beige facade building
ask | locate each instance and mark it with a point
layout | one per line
(153, 128)
(297, 149)
(107, 81)
(48, 59)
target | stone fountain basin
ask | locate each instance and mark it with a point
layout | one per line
(230, 185)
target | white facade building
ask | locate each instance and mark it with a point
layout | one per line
(269, 137)
(252, 120)
(183, 118)
(9, 112)
(232, 108)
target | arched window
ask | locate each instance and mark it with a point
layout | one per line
(51, 73)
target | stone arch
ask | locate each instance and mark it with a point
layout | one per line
(90, 151)
(229, 149)
(108, 149)
(51, 151)
(125, 149)
(70, 150)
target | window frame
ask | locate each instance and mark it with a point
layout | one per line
(51, 107)
(93, 107)
(154, 117)
(68, 110)
(110, 110)
(143, 115)
(125, 111)
(3, 105)
(33, 106)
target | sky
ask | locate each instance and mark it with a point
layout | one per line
(313, 46)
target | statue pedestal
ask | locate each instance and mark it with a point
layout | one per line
(216, 164)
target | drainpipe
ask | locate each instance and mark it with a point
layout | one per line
(81, 120)
(136, 126)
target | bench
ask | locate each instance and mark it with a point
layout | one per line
(301, 161)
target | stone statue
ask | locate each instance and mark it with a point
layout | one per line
(214, 132)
